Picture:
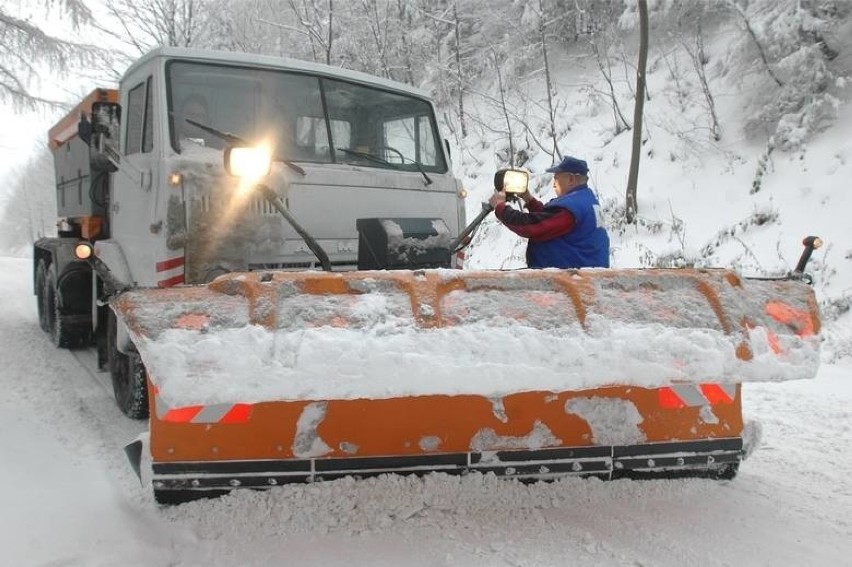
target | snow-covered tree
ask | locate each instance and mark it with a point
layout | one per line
(29, 211)
(144, 25)
(26, 50)
(795, 43)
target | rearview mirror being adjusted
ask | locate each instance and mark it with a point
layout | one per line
(511, 180)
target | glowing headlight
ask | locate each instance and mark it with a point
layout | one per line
(248, 162)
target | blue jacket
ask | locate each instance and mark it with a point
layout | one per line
(586, 246)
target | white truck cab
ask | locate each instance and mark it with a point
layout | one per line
(359, 147)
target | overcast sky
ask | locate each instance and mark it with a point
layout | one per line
(22, 131)
(18, 137)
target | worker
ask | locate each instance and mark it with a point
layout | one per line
(194, 107)
(567, 232)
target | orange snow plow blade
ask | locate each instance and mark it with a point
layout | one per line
(260, 379)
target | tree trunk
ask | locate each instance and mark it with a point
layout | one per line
(551, 110)
(405, 24)
(330, 32)
(602, 58)
(698, 59)
(459, 77)
(633, 175)
(503, 106)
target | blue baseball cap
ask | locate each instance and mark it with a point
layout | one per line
(570, 165)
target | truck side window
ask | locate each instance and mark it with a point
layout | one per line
(140, 120)
(148, 131)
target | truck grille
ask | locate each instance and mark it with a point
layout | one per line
(256, 206)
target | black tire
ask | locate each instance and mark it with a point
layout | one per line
(41, 296)
(129, 382)
(62, 335)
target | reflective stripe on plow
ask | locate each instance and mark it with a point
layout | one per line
(182, 415)
(690, 394)
(679, 396)
(215, 413)
(223, 413)
(212, 414)
(719, 393)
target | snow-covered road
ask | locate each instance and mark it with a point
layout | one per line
(70, 499)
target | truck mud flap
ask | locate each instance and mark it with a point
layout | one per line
(178, 482)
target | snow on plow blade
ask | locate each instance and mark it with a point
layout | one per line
(259, 379)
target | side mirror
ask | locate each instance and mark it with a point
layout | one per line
(105, 134)
(512, 180)
(106, 120)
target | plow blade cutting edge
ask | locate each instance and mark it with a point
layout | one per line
(259, 379)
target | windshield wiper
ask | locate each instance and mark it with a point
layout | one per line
(234, 139)
(366, 156)
(376, 159)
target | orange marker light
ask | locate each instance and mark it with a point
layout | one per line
(83, 251)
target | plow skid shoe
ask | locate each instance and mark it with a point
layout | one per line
(260, 379)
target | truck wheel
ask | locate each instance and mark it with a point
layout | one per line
(41, 296)
(129, 383)
(62, 335)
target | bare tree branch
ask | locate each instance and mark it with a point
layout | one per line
(604, 65)
(761, 51)
(26, 49)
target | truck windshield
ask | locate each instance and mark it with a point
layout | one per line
(303, 116)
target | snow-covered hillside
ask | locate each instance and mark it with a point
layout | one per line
(71, 499)
(738, 202)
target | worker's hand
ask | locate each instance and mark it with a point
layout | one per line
(497, 198)
(526, 196)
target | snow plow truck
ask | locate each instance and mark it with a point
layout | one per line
(263, 254)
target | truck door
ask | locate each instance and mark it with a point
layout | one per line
(136, 186)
